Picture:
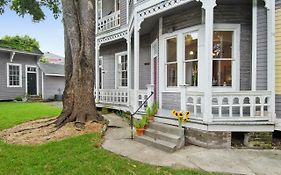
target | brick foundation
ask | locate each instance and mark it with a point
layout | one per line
(208, 139)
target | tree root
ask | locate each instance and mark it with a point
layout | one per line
(41, 126)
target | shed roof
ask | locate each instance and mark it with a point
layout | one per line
(52, 69)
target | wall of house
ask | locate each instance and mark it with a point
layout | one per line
(145, 61)
(52, 84)
(9, 93)
(278, 58)
(123, 12)
(261, 47)
(108, 53)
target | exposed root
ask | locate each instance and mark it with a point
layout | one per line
(42, 126)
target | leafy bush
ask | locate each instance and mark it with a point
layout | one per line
(18, 98)
(24, 43)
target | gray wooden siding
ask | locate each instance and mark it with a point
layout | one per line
(123, 12)
(171, 100)
(188, 17)
(145, 62)
(108, 53)
(52, 85)
(12, 92)
(239, 14)
(278, 106)
(261, 48)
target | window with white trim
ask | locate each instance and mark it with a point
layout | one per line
(14, 78)
(171, 62)
(122, 66)
(223, 58)
(191, 58)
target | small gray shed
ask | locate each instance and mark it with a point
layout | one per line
(53, 80)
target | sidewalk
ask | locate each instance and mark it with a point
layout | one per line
(234, 161)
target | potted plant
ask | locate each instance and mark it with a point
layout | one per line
(139, 125)
(145, 120)
(149, 114)
(154, 108)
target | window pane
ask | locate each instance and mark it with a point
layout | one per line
(172, 74)
(222, 75)
(191, 73)
(172, 50)
(14, 75)
(222, 45)
(191, 46)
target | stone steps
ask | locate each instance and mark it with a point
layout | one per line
(34, 99)
(164, 137)
(159, 144)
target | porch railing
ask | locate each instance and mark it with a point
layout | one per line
(241, 105)
(109, 22)
(195, 104)
(113, 96)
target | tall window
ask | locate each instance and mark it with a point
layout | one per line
(14, 75)
(122, 63)
(191, 59)
(222, 58)
(171, 62)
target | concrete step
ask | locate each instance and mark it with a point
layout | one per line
(156, 143)
(167, 128)
(162, 136)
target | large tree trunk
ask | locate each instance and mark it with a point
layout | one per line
(78, 97)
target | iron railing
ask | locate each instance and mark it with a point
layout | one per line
(132, 115)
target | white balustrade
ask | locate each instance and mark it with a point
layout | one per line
(113, 96)
(194, 104)
(241, 105)
(109, 22)
(142, 96)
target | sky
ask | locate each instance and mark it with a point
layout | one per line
(49, 32)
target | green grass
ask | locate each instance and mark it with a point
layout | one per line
(12, 113)
(78, 155)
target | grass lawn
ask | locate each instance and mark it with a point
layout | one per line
(78, 155)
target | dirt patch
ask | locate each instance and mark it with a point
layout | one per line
(43, 131)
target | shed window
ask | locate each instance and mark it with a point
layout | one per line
(14, 75)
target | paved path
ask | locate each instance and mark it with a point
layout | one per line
(234, 161)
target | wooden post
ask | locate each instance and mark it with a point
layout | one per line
(208, 5)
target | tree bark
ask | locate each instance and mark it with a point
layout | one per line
(78, 97)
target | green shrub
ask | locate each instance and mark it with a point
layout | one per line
(139, 124)
(18, 98)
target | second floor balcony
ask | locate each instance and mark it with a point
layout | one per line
(109, 22)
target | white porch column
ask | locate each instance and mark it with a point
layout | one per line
(129, 67)
(254, 46)
(97, 72)
(137, 26)
(270, 5)
(208, 5)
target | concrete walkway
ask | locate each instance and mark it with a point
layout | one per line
(234, 161)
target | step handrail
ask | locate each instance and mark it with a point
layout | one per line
(132, 115)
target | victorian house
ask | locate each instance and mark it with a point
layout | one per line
(214, 58)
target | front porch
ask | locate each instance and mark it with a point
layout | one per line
(216, 65)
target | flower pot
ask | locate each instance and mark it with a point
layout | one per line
(145, 126)
(150, 119)
(140, 131)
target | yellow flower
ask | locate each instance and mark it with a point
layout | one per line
(174, 112)
(187, 114)
(180, 115)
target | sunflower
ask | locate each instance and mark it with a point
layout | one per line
(174, 112)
